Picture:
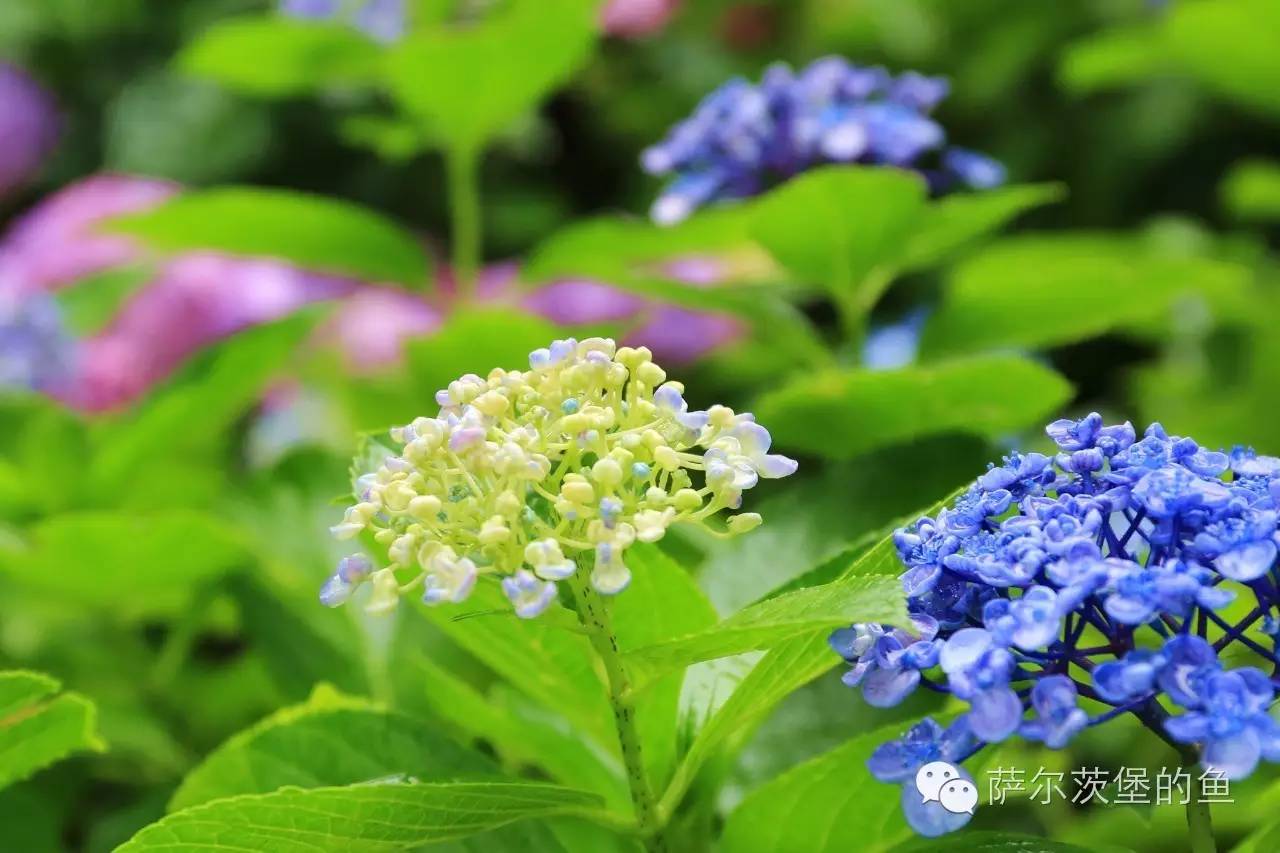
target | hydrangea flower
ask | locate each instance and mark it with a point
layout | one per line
(533, 476)
(745, 137)
(381, 20)
(1060, 592)
(28, 127)
(35, 350)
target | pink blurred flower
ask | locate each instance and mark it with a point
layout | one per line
(372, 325)
(55, 244)
(636, 18)
(194, 301)
(28, 127)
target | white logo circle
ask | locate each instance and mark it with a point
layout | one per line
(958, 796)
(931, 777)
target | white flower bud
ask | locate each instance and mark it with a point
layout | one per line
(744, 522)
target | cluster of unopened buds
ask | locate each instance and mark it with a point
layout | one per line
(533, 475)
(1119, 576)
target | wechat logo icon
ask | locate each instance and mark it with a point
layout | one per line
(940, 782)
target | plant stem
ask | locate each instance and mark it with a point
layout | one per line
(463, 163)
(593, 612)
(1199, 820)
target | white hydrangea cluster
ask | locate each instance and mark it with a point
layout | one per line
(529, 474)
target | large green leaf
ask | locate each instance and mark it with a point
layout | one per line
(1251, 191)
(662, 602)
(369, 818)
(773, 677)
(314, 232)
(1040, 291)
(39, 726)
(1231, 48)
(276, 56)
(550, 664)
(329, 740)
(467, 84)
(840, 414)
(521, 733)
(1118, 56)
(833, 226)
(957, 221)
(770, 622)
(476, 341)
(831, 803)
(130, 561)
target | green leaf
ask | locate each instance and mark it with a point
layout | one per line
(38, 726)
(839, 414)
(197, 407)
(662, 602)
(999, 842)
(1251, 191)
(328, 740)
(522, 734)
(476, 340)
(314, 232)
(551, 665)
(770, 622)
(369, 818)
(1119, 56)
(831, 803)
(1040, 291)
(775, 675)
(834, 225)
(276, 56)
(301, 644)
(126, 560)
(1231, 48)
(467, 84)
(957, 221)
(91, 303)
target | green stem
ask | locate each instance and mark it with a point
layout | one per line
(464, 212)
(177, 643)
(1199, 819)
(593, 612)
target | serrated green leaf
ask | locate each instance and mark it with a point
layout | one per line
(134, 562)
(840, 414)
(834, 225)
(38, 726)
(369, 818)
(314, 232)
(327, 742)
(273, 55)
(774, 620)
(1251, 191)
(467, 84)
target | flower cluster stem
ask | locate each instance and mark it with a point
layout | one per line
(593, 612)
(1199, 819)
(463, 165)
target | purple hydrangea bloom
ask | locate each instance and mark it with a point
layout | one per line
(745, 137)
(1101, 575)
(28, 127)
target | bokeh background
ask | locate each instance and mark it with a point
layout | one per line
(184, 386)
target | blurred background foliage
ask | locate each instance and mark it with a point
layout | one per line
(164, 519)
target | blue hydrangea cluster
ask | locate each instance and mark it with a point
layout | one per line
(1117, 576)
(35, 349)
(744, 138)
(381, 20)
